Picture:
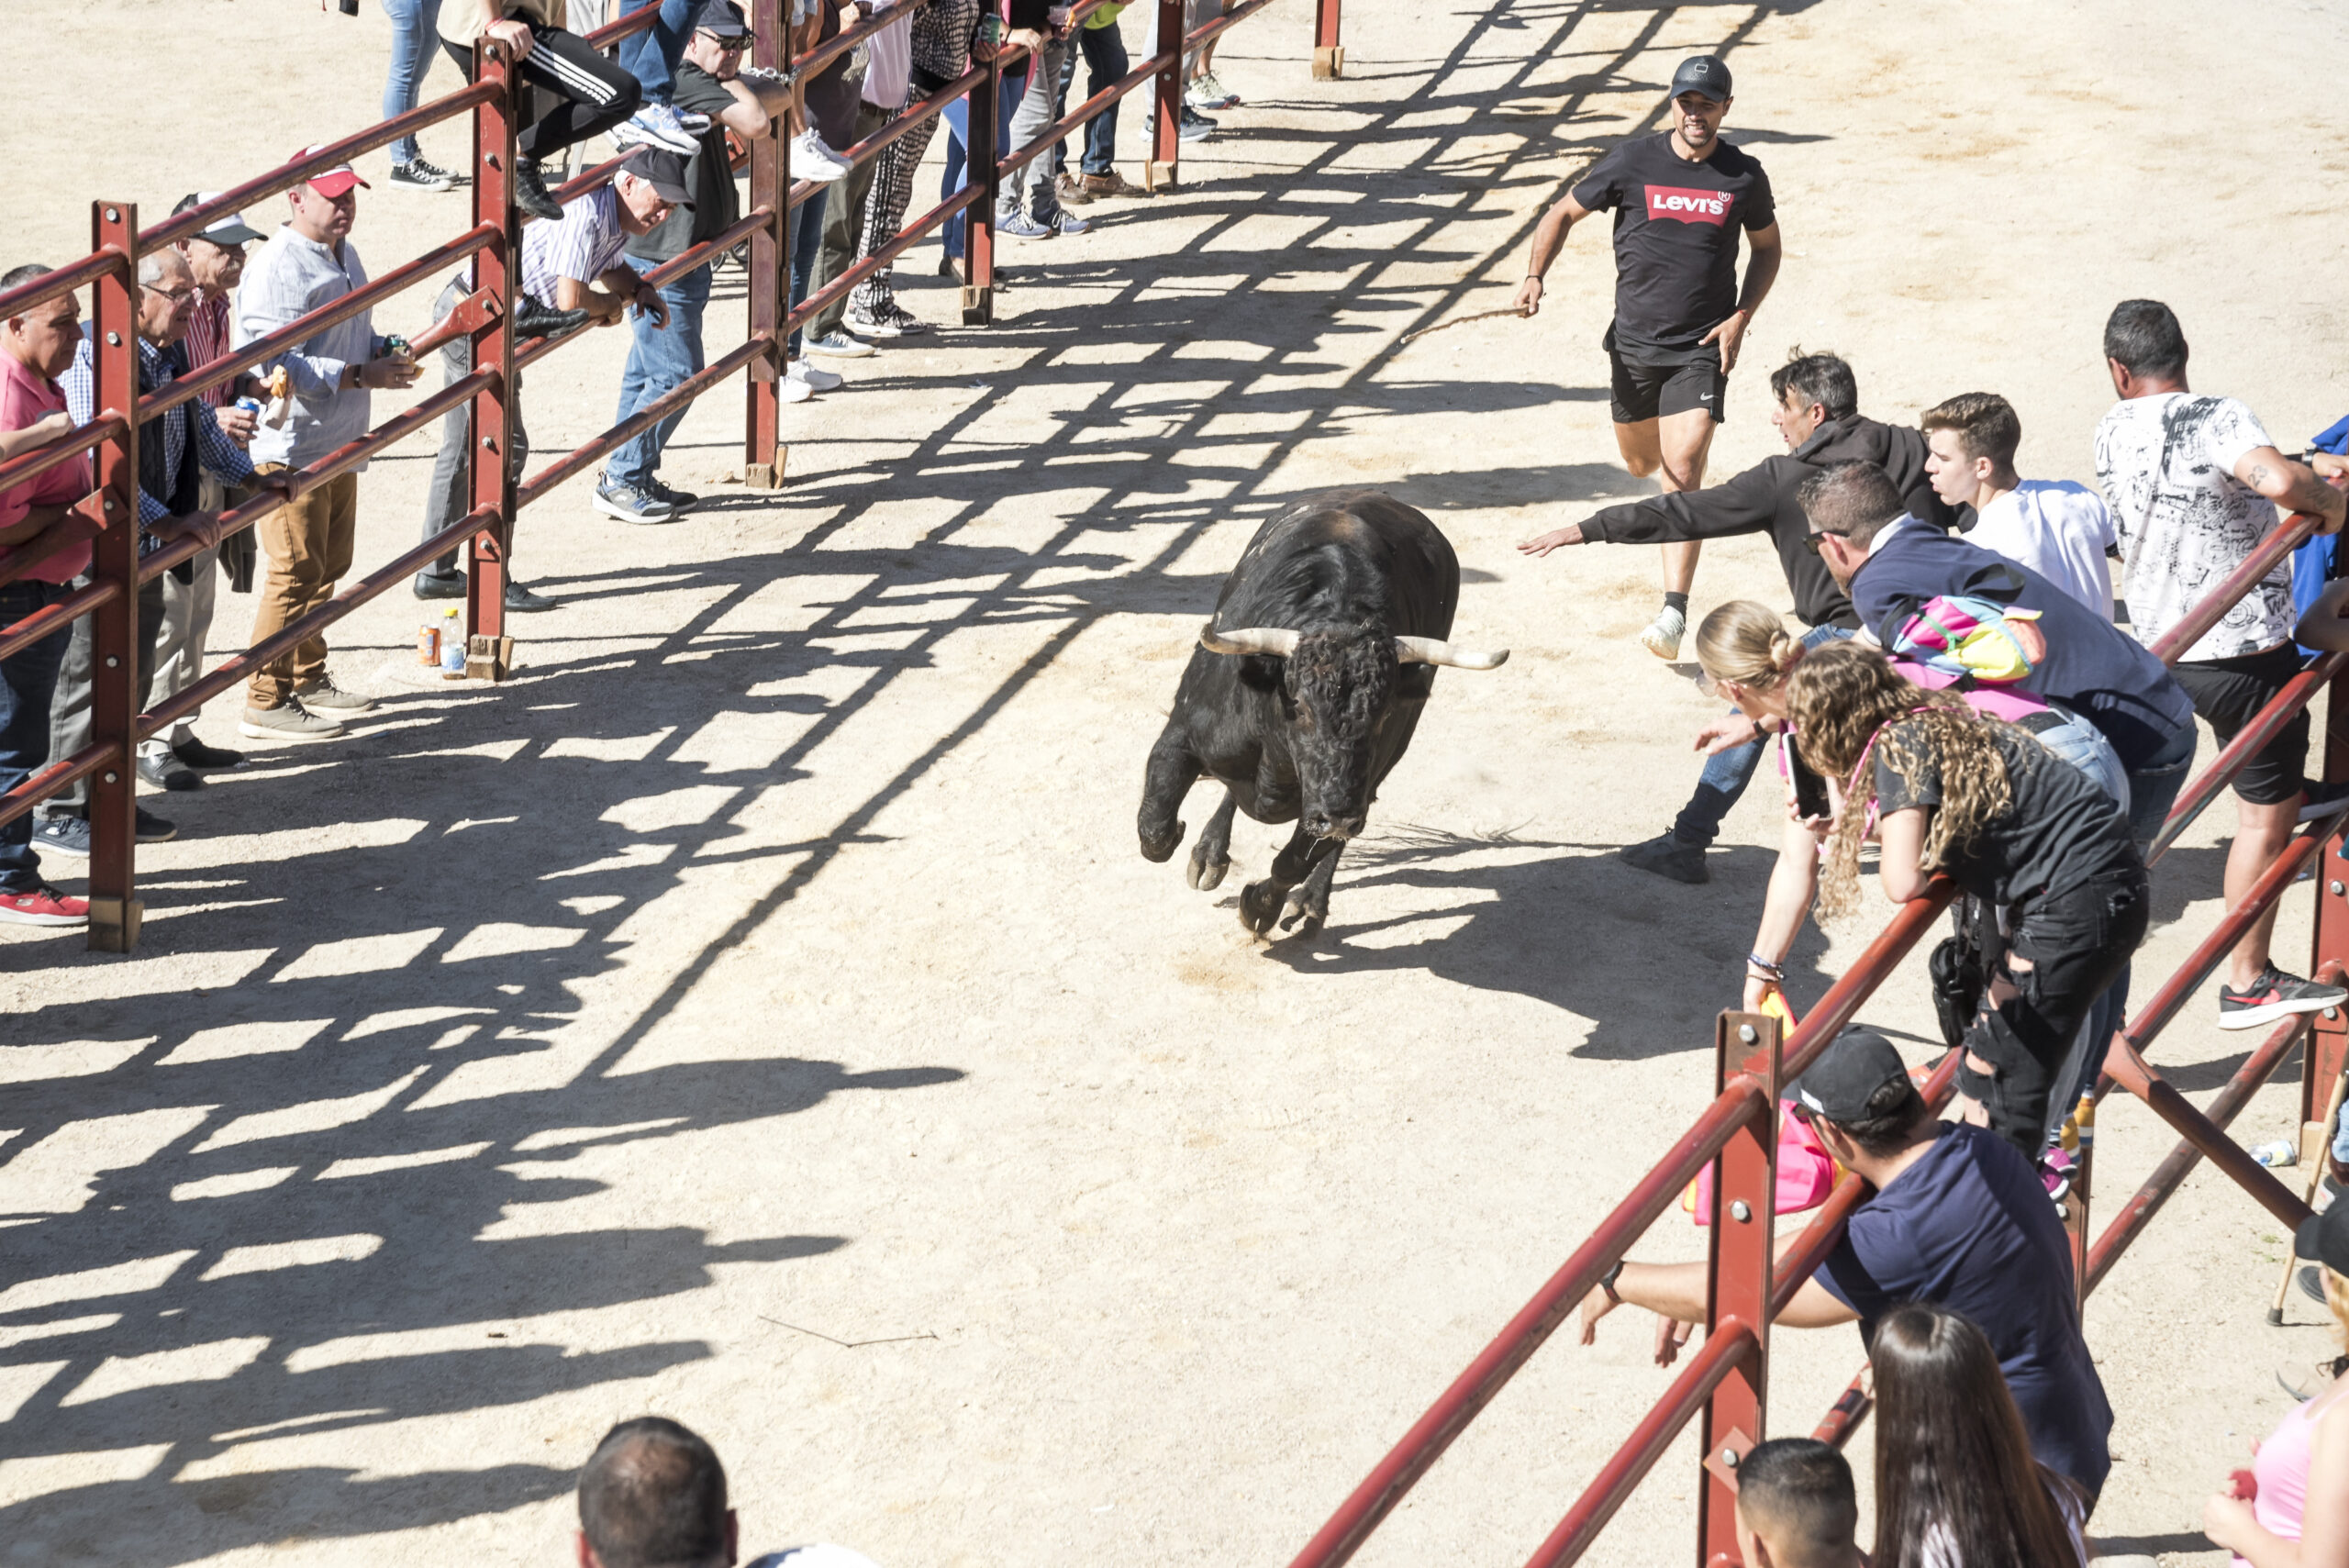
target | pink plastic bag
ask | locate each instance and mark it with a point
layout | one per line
(1807, 1172)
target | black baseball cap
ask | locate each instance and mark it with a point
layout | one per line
(1855, 1064)
(1706, 74)
(722, 18)
(666, 173)
(2325, 1238)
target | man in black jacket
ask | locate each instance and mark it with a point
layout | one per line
(1816, 409)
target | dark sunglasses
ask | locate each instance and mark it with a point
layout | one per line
(1810, 541)
(734, 44)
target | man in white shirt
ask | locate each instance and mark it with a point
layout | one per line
(309, 263)
(2059, 529)
(2194, 483)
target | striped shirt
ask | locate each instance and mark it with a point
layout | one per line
(219, 456)
(585, 246)
(206, 340)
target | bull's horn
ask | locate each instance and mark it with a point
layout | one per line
(1434, 650)
(1273, 640)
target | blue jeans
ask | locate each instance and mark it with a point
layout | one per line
(415, 26)
(658, 361)
(1728, 772)
(1105, 62)
(652, 55)
(27, 681)
(807, 244)
(957, 115)
(2083, 745)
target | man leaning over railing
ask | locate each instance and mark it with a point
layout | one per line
(176, 449)
(309, 263)
(36, 346)
(571, 274)
(1955, 1216)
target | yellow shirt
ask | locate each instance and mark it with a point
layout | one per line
(461, 20)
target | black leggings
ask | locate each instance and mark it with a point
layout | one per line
(595, 93)
(2076, 942)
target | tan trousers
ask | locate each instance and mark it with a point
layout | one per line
(309, 547)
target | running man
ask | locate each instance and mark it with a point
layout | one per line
(1679, 196)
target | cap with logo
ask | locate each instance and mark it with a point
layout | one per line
(1706, 75)
(334, 182)
(1855, 1064)
(2325, 1238)
(231, 229)
(665, 172)
(722, 18)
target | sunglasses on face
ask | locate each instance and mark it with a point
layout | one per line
(729, 46)
(1810, 541)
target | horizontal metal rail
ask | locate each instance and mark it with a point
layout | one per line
(390, 574)
(1733, 1343)
(1733, 1109)
(636, 424)
(52, 778)
(285, 176)
(26, 467)
(51, 619)
(2132, 1216)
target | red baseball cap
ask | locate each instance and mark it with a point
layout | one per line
(334, 182)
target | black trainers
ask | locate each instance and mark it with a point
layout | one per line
(421, 176)
(196, 754)
(1667, 856)
(63, 836)
(167, 772)
(2273, 995)
(431, 584)
(679, 500)
(531, 192)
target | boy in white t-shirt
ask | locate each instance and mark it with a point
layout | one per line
(2194, 483)
(2059, 529)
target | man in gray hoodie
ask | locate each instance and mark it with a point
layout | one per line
(1815, 406)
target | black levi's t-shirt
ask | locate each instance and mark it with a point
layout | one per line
(2057, 831)
(708, 176)
(1676, 235)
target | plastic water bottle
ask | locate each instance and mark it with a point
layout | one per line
(2276, 1154)
(452, 647)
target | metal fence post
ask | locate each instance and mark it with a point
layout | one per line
(1739, 1248)
(114, 558)
(768, 277)
(1166, 124)
(978, 218)
(497, 276)
(2322, 1061)
(1329, 55)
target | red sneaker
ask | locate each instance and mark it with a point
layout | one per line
(42, 906)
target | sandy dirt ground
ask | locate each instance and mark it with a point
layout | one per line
(757, 1011)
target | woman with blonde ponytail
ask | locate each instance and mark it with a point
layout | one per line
(1948, 792)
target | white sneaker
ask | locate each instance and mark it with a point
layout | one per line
(811, 160)
(793, 390)
(814, 377)
(660, 126)
(1663, 634)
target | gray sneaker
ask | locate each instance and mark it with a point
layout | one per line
(630, 504)
(323, 692)
(289, 721)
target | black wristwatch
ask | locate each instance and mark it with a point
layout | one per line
(1607, 1282)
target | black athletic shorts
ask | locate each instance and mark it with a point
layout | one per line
(2228, 694)
(1651, 383)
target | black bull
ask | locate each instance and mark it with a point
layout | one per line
(1305, 690)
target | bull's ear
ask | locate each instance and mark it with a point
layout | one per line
(1434, 650)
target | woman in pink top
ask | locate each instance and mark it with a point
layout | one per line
(2290, 1509)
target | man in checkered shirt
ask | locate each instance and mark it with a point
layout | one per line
(572, 275)
(176, 448)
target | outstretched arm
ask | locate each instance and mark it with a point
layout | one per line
(2292, 486)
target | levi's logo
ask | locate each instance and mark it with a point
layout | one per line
(1688, 207)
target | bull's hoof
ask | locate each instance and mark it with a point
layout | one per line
(1260, 905)
(1204, 875)
(1159, 849)
(1305, 914)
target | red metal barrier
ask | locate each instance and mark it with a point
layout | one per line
(1729, 1380)
(498, 492)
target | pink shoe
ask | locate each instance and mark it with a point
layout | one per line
(2055, 1171)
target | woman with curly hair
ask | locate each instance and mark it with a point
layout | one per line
(1956, 1483)
(1948, 791)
